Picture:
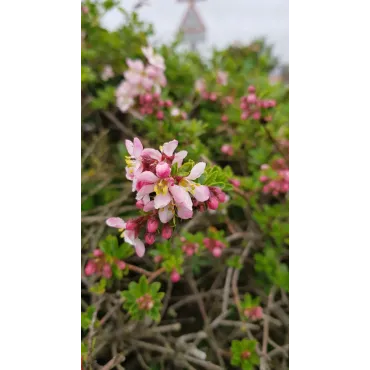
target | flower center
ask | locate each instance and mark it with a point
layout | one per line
(161, 187)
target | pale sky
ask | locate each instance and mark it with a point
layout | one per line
(226, 21)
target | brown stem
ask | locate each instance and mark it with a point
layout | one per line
(155, 274)
(139, 270)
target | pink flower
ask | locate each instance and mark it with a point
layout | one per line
(134, 161)
(251, 89)
(107, 73)
(200, 85)
(199, 192)
(224, 118)
(222, 77)
(155, 60)
(227, 149)
(124, 96)
(130, 236)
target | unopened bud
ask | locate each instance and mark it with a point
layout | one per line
(166, 231)
(175, 276)
(152, 225)
(149, 238)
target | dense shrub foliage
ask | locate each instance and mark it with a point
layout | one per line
(185, 184)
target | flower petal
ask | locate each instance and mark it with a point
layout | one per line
(169, 148)
(116, 222)
(197, 171)
(179, 157)
(130, 147)
(138, 147)
(147, 176)
(152, 153)
(145, 190)
(201, 193)
(149, 206)
(184, 213)
(162, 200)
(165, 214)
(139, 247)
(181, 196)
(129, 236)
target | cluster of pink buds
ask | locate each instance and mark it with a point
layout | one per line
(152, 104)
(141, 79)
(214, 246)
(189, 248)
(98, 265)
(254, 313)
(254, 107)
(280, 183)
(221, 79)
(161, 194)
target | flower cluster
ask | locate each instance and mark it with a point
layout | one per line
(201, 87)
(165, 189)
(275, 177)
(99, 265)
(189, 248)
(254, 107)
(214, 246)
(141, 79)
(107, 73)
(152, 104)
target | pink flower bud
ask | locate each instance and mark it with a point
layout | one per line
(256, 115)
(213, 96)
(90, 268)
(263, 178)
(224, 118)
(251, 99)
(152, 225)
(175, 276)
(166, 231)
(213, 203)
(163, 170)
(244, 115)
(182, 239)
(148, 98)
(140, 204)
(235, 182)
(149, 238)
(207, 242)
(169, 103)
(217, 252)
(158, 259)
(107, 271)
(227, 149)
(285, 188)
(131, 225)
(121, 265)
(258, 313)
(251, 89)
(98, 253)
(149, 110)
(243, 105)
(221, 197)
(160, 115)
